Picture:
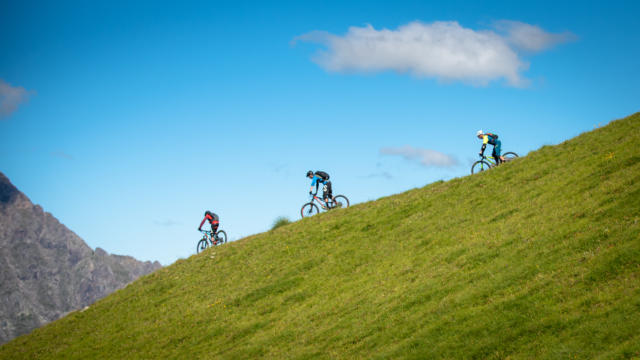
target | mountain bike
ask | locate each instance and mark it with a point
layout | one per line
(209, 239)
(487, 162)
(310, 209)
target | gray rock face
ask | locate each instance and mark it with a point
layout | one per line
(46, 270)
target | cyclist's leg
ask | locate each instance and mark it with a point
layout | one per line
(500, 151)
(496, 152)
(214, 230)
(325, 188)
(329, 192)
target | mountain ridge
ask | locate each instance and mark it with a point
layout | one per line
(47, 270)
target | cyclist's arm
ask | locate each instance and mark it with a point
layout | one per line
(485, 141)
(201, 223)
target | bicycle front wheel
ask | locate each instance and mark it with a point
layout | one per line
(221, 237)
(202, 245)
(508, 156)
(479, 166)
(341, 201)
(309, 209)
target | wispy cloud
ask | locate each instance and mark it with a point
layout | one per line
(166, 223)
(530, 37)
(380, 174)
(11, 97)
(278, 167)
(62, 155)
(425, 157)
(444, 50)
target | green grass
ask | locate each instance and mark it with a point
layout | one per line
(538, 258)
(280, 221)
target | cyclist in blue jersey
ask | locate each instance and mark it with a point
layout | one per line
(491, 139)
(321, 177)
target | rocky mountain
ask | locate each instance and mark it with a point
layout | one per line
(46, 270)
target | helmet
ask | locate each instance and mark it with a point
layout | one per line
(479, 133)
(309, 173)
(207, 213)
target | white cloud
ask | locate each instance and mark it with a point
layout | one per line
(10, 98)
(443, 50)
(426, 157)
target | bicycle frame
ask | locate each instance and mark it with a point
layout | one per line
(312, 207)
(491, 160)
(323, 204)
(488, 162)
(209, 236)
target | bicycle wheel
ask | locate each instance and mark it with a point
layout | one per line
(309, 209)
(341, 201)
(221, 237)
(480, 165)
(202, 244)
(508, 156)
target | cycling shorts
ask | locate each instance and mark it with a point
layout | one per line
(327, 191)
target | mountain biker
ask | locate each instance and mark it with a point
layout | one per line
(492, 139)
(214, 221)
(321, 177)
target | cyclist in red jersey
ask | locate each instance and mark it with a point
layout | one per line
(214, 221)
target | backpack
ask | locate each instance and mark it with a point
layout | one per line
(213, 215)
(323, 175)
(494, 136)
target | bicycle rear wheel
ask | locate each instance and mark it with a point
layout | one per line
(508, 156)
(309, 209)
(479, 166)
(341, 201)
(202, 245)
(221, 237)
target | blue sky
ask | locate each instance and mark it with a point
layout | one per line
(127, 120)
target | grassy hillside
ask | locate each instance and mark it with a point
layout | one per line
(539, 258)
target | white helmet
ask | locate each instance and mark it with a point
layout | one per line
(479, 133)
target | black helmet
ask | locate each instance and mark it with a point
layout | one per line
(309, 173)
(207, 213)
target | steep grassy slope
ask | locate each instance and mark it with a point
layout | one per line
(539, 258)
